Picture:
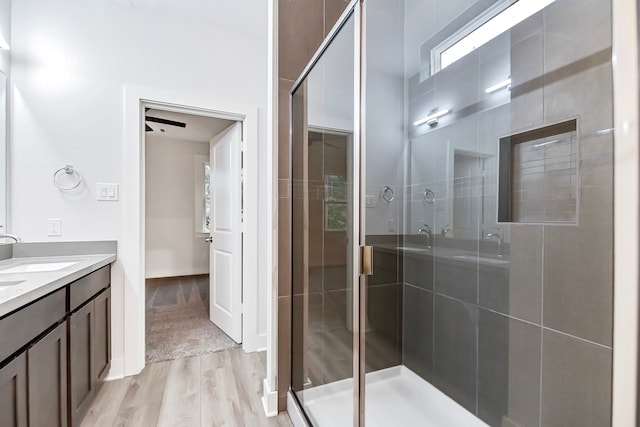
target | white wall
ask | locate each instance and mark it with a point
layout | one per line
(71, 61)
(5, 33)
(173, 248)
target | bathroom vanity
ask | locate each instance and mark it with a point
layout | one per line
(55, 330)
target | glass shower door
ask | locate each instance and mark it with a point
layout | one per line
(487, 198)
(323, 233)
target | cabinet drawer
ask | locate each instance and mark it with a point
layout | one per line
(21, 327)
(83, 289)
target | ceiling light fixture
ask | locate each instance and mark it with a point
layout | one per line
(542, 144)
(431, 119)
(604, 132)
(3, 44)
(498, 24)
(496, 87)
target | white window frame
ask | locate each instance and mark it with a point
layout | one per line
(328, 202)
(200, 162)
(518, 14)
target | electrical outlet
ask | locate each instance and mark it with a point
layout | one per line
(54, 227)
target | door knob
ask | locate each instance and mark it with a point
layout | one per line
(209, 239)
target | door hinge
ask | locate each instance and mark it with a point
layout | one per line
(366, 260)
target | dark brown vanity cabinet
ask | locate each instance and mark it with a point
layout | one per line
(89, 353)
(81, 341)
(89, 340)
(33, 364)
(102, 348)
(13, 393)
(47, 384)
(55, 353)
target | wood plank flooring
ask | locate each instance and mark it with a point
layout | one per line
(215, 389)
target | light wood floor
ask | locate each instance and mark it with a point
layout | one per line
(215, 389)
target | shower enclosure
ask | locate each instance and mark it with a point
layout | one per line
(452, 215)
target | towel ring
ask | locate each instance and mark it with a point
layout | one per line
(68, 170)
(387, 194)
(429, 196)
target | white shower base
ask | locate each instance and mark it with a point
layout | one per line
(394, 397)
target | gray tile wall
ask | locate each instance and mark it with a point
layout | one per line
(543, 331)
(529, 344)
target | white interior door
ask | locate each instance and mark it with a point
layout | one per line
(225, 259)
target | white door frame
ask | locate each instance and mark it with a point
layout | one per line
(132, 250)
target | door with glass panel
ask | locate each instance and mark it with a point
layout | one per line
(324, 242)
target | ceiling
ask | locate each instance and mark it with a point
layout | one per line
(198, 128)
(241, 16)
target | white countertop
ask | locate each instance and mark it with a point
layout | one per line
(37, 284)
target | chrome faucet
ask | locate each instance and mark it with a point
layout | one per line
(10, 236)
(426, 231)
(498, 235)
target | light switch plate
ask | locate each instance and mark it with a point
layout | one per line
(370, 201)
(107, 192)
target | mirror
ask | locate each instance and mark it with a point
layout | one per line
(456, 119)
(3, 152)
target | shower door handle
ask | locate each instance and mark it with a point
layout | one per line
(366, 257)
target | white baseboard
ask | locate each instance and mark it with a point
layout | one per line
(269, 400)
(176, 273)
(261, 342)
(116, 371)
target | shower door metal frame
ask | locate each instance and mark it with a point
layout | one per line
(358, 281)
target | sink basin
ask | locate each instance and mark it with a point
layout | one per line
(481, 259)
(36, 267)
(9, 288)
(9, 283)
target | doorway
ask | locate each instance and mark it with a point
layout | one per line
(181, 283)
(132, 246)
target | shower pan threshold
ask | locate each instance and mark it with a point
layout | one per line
(395, 396)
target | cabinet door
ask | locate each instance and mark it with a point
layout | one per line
(13, 393)
(81, 364)
(102, 344)
(47, 373)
